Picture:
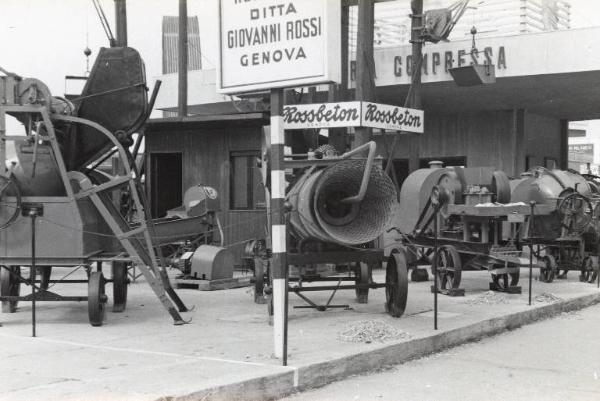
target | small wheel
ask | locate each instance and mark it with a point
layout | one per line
(396, 280)
(588, 272)
(449, 268)
(45, 272)
(363, 279)
(96, 299)
(259, 280)
(514, 278)
(419, 275)
(10, 201)
(10, 285)
(548, 270)
(501, 280)
(120, 282)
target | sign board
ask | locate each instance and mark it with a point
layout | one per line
(353, 114)
(581, 153)
(265, 44)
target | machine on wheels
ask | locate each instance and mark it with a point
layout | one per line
(60, 209)
(468, 213)
(568, 238)
(337, 206)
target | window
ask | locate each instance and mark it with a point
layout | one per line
(246, 188)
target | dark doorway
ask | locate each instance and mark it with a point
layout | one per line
(400, 168)
(166, 182)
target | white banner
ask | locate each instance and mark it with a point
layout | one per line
(268, 44)
(392, 117)
(353, 114)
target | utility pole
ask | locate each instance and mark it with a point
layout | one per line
(365, 64)
(417, 53)
(182, 51)
(121, 22)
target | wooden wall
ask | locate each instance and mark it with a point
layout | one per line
(206, 155)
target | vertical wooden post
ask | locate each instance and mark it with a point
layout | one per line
(365, 65)
(415, 102)
(337, 93)
(121, 22)
(3, 168)
(278, 226)
(182, 58)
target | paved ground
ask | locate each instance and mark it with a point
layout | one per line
(140, 355)
(557, 359)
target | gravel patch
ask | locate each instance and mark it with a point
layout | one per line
(368, 331)
(488, 298)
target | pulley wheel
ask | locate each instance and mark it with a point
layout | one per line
(96, 299)
(548, 269)
(363, 279)
(396, 280)
(10, 285)
(449, 268)
(120, 282)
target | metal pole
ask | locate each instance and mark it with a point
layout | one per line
(278, 226)
(532, 205)
(182, 52)
(33, 215)
(417, 53)
(365, 64)
(121, 22)
(435, 275)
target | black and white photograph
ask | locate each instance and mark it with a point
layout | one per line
(299, 200)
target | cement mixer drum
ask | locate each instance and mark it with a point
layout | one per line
(320, 212)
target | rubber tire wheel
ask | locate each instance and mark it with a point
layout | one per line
(548, 271)
(452, 256)
(363, 277)
(96, 299)
(10, 286)
(396, 280)
(120, 282)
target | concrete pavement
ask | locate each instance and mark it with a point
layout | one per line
(226, 351)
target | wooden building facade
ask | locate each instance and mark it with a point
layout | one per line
(218, 151)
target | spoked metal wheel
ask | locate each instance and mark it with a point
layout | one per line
(10, 285)
(96, 299)
(363, 279)
(548, 269)
(449, 268)
(120, 282)
(396, 280)
(589, 272)
(10, 201)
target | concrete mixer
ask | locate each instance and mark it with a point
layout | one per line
(469, 214)
(568, 237)
(337, 208)
(59, 209)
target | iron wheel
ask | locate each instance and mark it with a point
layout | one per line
(363, 279)
(10, 285)
(588, 272)
(449, 268)
(396, 280)
(548, 270)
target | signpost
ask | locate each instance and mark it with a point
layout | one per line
(270, 45)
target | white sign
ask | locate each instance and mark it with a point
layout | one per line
(392, 117)
(268, 44)
(353, 114)
(323, 115)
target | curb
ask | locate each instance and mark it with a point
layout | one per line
(319, 374)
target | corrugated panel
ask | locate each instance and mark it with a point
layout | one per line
(170, 34)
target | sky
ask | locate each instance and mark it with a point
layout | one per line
(45, 39)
